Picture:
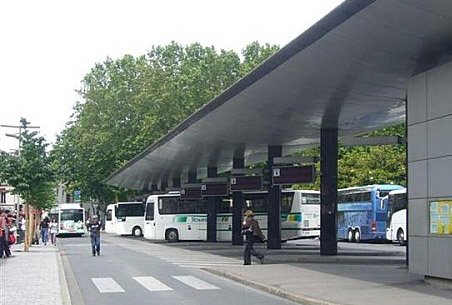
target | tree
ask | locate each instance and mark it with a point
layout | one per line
(129, 103)
(30, 174)
(364, 165)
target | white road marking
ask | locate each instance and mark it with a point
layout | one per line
(106, 285)
(151, 284)
(194, 282)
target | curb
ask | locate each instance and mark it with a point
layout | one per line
(299, 298)
(69, 280)
(64, 288)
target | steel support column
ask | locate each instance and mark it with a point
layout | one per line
(163, 186)
(328, 191)
(238, 201)
(176, 183)
(274, 203)
(212, 210)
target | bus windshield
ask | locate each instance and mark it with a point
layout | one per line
(73, 214)
(398, 202)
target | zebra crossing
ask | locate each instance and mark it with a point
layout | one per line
(109, 285)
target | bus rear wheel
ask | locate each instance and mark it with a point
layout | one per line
(137, 232)
(357, 236)
(350, 236)
(172, 235)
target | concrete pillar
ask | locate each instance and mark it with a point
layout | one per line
(212, 210)
(238, 201)
(274, 203)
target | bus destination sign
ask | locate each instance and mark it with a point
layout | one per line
(246, 183)
(282, 175)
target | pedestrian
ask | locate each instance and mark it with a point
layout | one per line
(4, 228)
(253, 234)
(44, 226)
(53, 230)
(94, 227)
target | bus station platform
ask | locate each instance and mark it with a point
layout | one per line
(355, 276)
(361, 274)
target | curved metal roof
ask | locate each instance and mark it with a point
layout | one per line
(348, 71)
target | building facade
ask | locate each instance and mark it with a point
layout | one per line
(429, 117)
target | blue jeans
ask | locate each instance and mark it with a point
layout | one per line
(45, 235)
(95, 244)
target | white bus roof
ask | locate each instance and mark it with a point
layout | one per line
(401, 191)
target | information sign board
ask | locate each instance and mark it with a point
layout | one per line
(215, 189)
(191, 192)
(441, 217)
(283, 175)
(246, 183)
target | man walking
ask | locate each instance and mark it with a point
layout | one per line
(94, 227)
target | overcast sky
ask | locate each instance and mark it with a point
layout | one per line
(47, 46)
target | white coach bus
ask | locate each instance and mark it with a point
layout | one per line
(110, 218)
(71, 219)
(397, 209)
(168, 217)
(129, 218)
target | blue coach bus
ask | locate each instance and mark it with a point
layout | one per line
(362, 213)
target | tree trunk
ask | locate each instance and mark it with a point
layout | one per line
(31, 225)
(27, 227)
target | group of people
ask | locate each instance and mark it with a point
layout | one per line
(250, 228)
(48, 227)
(7, 236)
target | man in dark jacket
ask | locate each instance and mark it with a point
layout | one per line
(94, 227)
(253, 234)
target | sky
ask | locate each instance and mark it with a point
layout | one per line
(48, 46)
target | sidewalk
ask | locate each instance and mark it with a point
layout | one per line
(32, 277)
(339, 283)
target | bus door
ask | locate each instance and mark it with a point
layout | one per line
(149, 221)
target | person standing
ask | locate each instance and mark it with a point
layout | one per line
(253, 234)
(94, 227)
(3, 241)
(53, 230)
(44, 226)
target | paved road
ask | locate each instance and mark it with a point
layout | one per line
(134, 272)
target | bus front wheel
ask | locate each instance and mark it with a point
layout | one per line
(137, 232)
(172, 235)
(357, 236)
(401, 237)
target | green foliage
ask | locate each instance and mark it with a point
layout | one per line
(29, 173)
(129, 103)
(364, 165)
(374, 164)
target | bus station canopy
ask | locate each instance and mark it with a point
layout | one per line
(348, 71)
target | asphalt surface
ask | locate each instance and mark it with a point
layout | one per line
(130, 271)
